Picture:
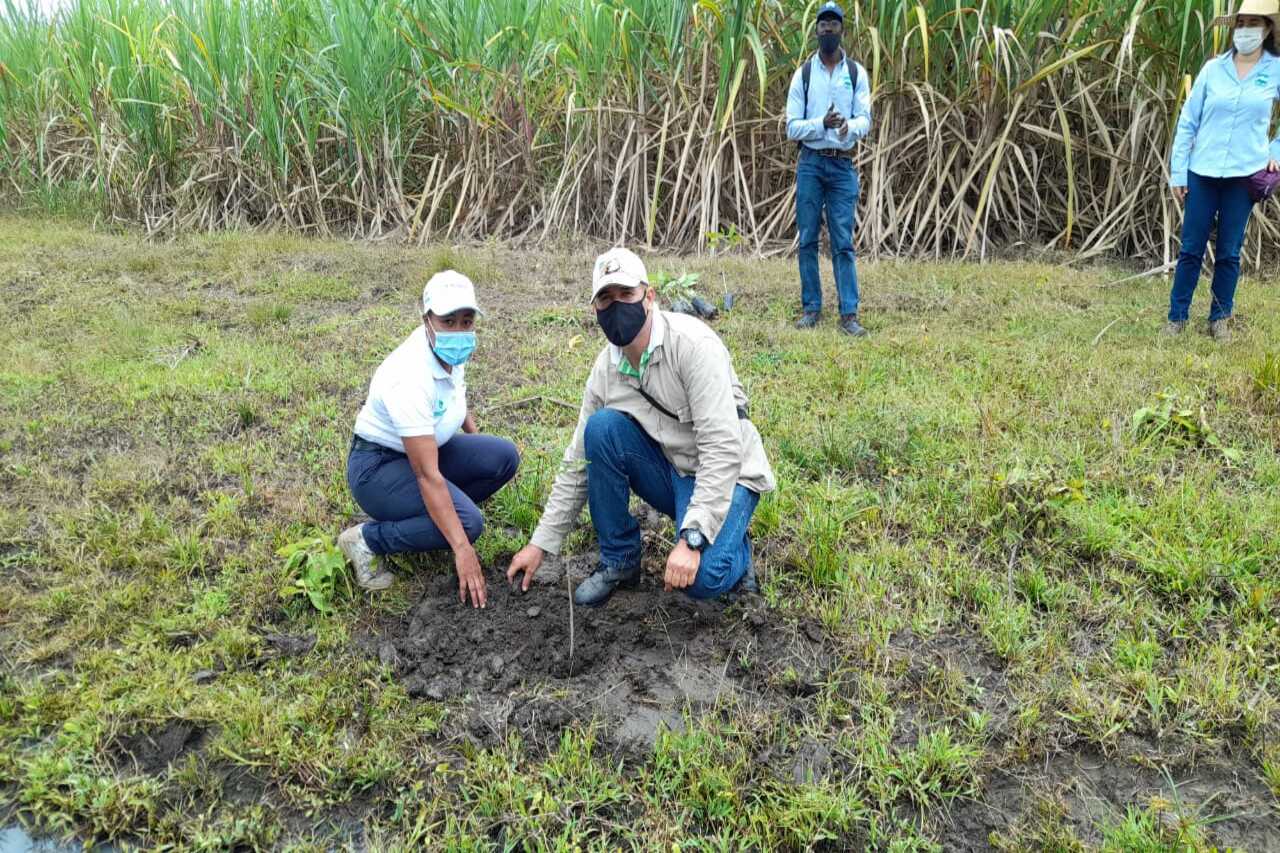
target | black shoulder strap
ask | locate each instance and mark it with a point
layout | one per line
(853, 74)
(655, 403)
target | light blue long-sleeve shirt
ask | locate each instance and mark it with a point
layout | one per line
(1222, 130)
(827, 88)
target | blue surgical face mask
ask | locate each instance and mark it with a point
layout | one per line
(1248, 39)
(454, 347)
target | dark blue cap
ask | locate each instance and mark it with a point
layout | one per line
(830, 9)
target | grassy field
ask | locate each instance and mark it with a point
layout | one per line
(1035, 541)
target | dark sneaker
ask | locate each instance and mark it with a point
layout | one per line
(808, 320)
(1175, 327)
(596, 589)
(1220, 331)
(748, 582)
(849, 325)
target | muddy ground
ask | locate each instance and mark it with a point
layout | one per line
(532, 663)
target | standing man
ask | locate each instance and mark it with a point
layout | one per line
(664, 416)
(828, 111)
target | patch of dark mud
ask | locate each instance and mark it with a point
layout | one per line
(151, 751)
(289, 645)
(1079, 792)
(528, 663)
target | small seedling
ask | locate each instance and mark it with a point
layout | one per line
(1179, 425)
(319, 571)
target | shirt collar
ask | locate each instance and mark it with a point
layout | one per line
(657, 335)
(844, 58)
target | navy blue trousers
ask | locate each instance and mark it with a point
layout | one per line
(382, 482)
(1224, 201)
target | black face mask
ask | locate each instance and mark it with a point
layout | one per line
(829, 42)
(622, 321)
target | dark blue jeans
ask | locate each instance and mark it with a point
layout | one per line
(1227, 201)
(622, 459)
(382, 482)
(830, 183)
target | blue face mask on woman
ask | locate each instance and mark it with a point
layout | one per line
(454, 348)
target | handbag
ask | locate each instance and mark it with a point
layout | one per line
(1262, 184)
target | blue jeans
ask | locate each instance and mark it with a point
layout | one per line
(622, 459)
(1224, 199)
(829, 182)
(383, 483)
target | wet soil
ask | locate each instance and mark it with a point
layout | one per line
(636, 664)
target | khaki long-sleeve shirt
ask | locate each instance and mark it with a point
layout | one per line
(691, 374)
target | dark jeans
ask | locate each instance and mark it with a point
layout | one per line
(830, 183)
(382, 482)
(1227, 201)
(622, 459)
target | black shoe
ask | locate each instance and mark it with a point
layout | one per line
(808, 319)
(597, 588)
(849, 325)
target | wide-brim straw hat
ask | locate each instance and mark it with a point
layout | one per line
(1261, 8)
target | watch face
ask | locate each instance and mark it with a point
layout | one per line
(694, 538)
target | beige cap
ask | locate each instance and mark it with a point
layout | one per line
(1261, 8)
(618, 266)
(447, 292)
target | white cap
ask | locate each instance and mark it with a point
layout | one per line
(447, 292)
(618, 266)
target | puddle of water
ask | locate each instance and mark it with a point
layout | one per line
(15, 839)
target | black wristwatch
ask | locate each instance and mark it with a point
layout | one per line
(693, 538)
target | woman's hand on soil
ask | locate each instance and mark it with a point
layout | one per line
(526, 560)
(682, 567)
(470, 576)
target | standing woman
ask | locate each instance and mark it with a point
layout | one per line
(410, 468)
(1221, 140)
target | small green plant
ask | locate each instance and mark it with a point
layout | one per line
(318, 569)
(1179, 425)
(1266, 380)
(676, 288)
(729, 239)
(1024, 501)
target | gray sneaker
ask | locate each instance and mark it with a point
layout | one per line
(849, 325)
(808, 320)
(597, 589)
(369, 572)
(1220, 331)
(748, 583)
(1175, 327)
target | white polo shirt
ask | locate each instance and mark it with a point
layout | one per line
(411, 394)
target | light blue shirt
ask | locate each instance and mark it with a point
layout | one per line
(827, 88)
(1222, 131)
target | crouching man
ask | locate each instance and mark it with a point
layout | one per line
(663, 416)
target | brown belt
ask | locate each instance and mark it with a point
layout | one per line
(830, 152)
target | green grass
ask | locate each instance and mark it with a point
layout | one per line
(1009, 573)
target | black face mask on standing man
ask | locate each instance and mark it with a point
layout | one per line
(622, 321)
(829, 42)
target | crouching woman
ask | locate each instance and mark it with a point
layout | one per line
(417, 465)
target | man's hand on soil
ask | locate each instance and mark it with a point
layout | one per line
(682, 567)
(470, 576)
(526, 560)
